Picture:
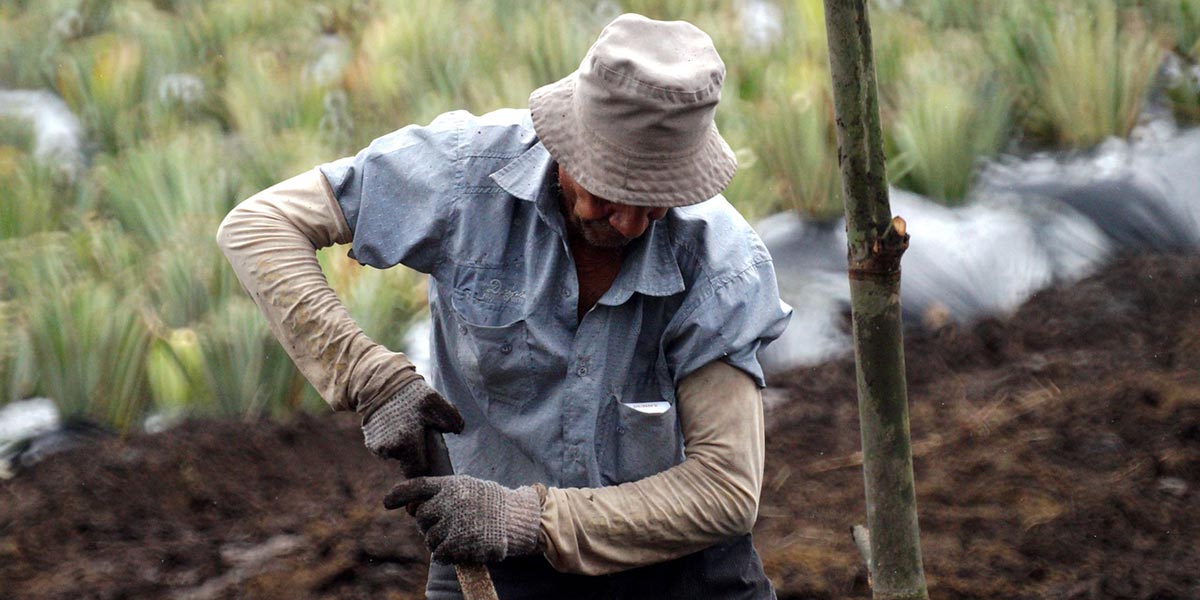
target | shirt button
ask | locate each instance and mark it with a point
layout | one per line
(462, 329)
(506, 348)
(566, 292)
(581, 371)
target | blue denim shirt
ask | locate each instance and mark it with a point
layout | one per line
(545, 395)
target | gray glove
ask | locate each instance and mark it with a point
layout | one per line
(468, 520)
(396, 428)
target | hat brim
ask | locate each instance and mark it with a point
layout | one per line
(604, 170)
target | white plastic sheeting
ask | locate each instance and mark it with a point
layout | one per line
(57, 132)
(1030, 223)
(27, 418)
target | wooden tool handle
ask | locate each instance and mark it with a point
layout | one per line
(475, 580)
(437, 454)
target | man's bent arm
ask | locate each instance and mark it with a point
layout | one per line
(711, 496)
(271, 240)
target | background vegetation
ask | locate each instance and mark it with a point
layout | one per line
(115, 302)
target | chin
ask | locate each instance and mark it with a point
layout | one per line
(606, 242)
(602, 236)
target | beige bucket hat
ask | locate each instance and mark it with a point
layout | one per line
(634, 124)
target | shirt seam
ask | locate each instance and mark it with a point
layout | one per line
(710, 294)
(457, 192)
(496, 155)
(716, 285)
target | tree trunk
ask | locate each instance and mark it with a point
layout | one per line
(876, 243)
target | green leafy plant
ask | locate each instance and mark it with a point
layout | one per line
(794, 140)
(153, 187)
(187, 280)
(33, 197)
(13, 357)
(88, 343)
(101, 79)
(952, 14)
(948, 114)
(175, 372)
(1184, 94)
(79, 321)
(246, 371)
(415, 56)
(1180, 18)
(264, 93)
(15, 134)
(1081, 73)
(547, 52)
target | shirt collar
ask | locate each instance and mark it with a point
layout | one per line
(649, 267)
(526, 176)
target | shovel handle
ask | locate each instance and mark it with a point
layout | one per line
(437, 455)
(474, 579)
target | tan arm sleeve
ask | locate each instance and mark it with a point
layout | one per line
(712, 495)
(271, 240)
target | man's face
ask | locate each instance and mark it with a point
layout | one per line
(601, 223)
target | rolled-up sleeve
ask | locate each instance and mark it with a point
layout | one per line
(729, 318)
(398, 195)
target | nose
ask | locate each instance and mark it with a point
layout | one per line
(631, 221)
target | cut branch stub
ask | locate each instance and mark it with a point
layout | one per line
(878, 259)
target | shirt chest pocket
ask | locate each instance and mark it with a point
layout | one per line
(493, 349)
(641, 436)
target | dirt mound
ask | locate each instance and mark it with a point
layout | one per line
(208, 510)
(1057, 452)
(1057, 455)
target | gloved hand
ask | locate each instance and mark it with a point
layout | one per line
(469, 520)
(396, 428)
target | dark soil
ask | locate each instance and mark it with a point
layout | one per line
(1057, 456)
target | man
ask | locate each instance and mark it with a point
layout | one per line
(597, 310)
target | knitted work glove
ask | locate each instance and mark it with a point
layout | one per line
(396, 428)
(469, 520)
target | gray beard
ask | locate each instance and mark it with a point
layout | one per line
(597, 233)
(600, 234)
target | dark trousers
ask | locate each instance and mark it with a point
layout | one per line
(727, 571)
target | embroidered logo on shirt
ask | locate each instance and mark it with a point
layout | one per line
(496, 292)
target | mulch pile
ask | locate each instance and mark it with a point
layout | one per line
(1057, 456)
